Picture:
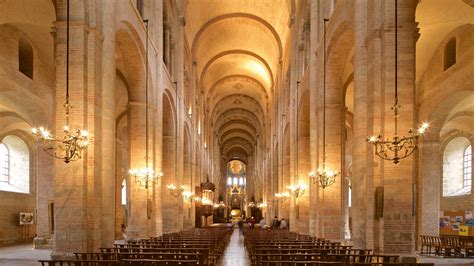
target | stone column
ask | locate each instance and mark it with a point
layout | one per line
(398, 223)
(108, 131)
(313, 145)
(429, 187)
(44, 195)
(137, 194)
(181, 113)
(331, 197)
(77, 185)
(362, 187)
(158, 116)
(292, 115)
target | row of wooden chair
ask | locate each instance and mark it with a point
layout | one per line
(447, 246)
(192, 247)
(275, 248)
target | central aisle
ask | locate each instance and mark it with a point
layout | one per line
(235, 253)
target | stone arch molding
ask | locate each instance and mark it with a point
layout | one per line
(222, 55)
(243, 113)
(238, 79)
(239, 100)
(237, 142)
(217, 19)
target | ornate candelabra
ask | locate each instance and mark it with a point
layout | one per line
(282, 197)
(297, 190)
(70, 146)
(143, 176)
(174, 190)
(188, 195)
(323, 177)
(397, 148)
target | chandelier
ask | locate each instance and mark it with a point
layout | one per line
(174, 190)
(252, 204)
(262, 205)
(188, 195)
(398, 147)
(297, 190)
(143, 176)
(282, 197)
(324, 177)
(74, 142)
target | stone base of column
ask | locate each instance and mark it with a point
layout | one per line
(60, 255)
(41, 242)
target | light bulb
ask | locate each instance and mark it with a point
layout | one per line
(424, 126)
(373, 139)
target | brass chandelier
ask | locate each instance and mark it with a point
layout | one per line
(398, 147)
(281, 197)
(74, 142)
(143, 176)
(175, 191)
(299, 189)
(324, 177)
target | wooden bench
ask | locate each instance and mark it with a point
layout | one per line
(78, 263)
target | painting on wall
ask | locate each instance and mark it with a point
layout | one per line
(26, 218)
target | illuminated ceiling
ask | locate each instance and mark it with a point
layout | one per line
(237, 46)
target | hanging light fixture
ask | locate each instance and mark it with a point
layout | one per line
(398, 147)
(324, 177)
(74, 142)
(143, 176)
(174, 190)
(282, 197)
(188, 195)
(299, 189)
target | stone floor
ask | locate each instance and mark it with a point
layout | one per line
(446, 261)
(22, 254)
(235, 253)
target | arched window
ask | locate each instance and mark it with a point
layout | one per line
(467, 167)
(450, 53)
(25, 58)
(14, 165)
(166, 37)
(124, 192)
(139, 4)
(4, 163)
(457, 167)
